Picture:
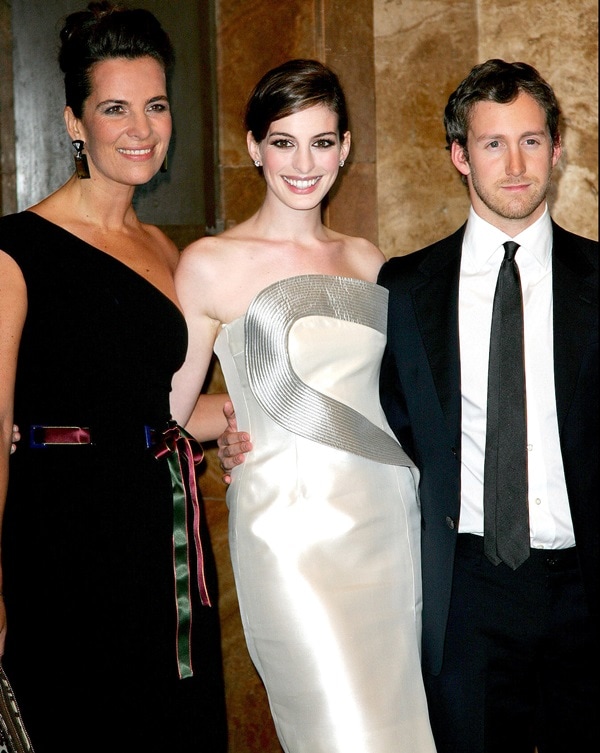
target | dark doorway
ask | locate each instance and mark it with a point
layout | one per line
(186, 194)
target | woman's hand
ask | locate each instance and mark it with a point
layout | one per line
(16, 436)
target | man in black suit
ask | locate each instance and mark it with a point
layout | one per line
(508, 654)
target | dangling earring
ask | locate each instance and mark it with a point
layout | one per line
(81, 163)
(256, 163)
(165, 164)
(342, 163)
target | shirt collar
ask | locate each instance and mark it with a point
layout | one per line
(482, 240)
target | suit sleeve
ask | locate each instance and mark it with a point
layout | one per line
(392, 395)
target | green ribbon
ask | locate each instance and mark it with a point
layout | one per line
(183, 454)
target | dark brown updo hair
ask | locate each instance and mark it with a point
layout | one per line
(293, 86)
(102, 32)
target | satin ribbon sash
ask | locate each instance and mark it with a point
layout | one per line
(183, 454)
(40, 436)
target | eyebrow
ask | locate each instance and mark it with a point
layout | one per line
(290, 136)
(526, 134)
(158, 98)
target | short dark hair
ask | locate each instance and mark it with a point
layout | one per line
(291, 87)
(501, 82)
(102, 32)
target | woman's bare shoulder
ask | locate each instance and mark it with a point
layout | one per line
(215, 242)
(363, 255)
(362, 245)
(210, 260)
(217, 248)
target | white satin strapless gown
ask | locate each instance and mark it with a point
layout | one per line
(324, 521)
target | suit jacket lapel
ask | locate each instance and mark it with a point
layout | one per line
(436, 307)
(574, 315)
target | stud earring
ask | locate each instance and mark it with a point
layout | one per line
(81, 164)
(165, 164)
(342, 162)
(256, 163)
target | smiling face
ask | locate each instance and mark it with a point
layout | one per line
(508, 162)
(126, 121)
(300, 156)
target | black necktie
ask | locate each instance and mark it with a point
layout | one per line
(505, 507)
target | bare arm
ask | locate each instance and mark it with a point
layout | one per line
(13, 307)
(207, 419)
(202, 415)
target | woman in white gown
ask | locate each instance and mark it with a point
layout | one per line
(324, 517)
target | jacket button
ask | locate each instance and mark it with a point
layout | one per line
(451, 523)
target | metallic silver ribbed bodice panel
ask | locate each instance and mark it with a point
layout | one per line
(324, 521)
(282, 394)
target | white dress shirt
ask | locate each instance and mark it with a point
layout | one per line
(482, 253)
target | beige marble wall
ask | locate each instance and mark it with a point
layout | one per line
(423, 49)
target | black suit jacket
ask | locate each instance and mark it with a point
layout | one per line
(420, 392)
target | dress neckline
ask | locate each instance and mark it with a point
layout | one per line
(109, 257)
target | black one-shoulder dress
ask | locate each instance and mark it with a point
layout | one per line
(96, 642)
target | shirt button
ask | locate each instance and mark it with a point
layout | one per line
(529, 447)
(538, 501)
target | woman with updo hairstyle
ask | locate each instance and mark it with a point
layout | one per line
(295, 86)
(108, 625)
(324, 522)
(103, 32)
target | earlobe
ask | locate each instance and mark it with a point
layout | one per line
(556, 152)
(73, 124)
(253, 149)
(459, 158)
(345, 149)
